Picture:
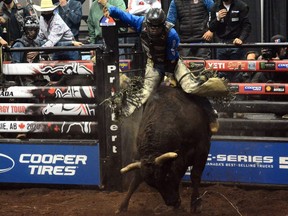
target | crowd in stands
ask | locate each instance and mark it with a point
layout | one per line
(196, 21)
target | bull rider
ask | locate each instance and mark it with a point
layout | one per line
(160, 42)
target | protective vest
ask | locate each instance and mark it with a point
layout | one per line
(26, 43)
(193, 20)
(155, 48)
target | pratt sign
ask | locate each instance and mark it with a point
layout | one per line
(114, 128)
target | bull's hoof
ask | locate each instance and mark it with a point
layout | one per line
(160, 209)
(196, 206)
(169, 210)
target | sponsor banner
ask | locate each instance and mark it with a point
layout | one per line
(234, 88)
(48, 127)
(283, 66)
(49, 68)
(48, 92)
(252, 65)
(50, 164)
(259, 88)
(242, 66)
(48, 109)
(275, 89)
(246, 162)
(267, 66)
(252, 88)
(124, 65)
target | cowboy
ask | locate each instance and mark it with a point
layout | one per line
(160, 42)
(54, 32)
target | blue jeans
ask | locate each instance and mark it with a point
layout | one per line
(67, 55)
(201, 53)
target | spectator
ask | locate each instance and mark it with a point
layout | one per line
(193, 17)
(275, 53)
(3, 42)
(54, 31)
(160, 42)
(12, 20)
(95, 14)
(230, 23)
(31, 29)
(71, 12)
(246, 77)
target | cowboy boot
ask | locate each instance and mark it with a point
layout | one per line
(199, 85)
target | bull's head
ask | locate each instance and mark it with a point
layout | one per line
(160, 174)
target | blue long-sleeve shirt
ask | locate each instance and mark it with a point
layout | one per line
(172, 15)
(136, 22)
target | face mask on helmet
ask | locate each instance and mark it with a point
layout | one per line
(31, 33)
(155, 19)
(154, 31)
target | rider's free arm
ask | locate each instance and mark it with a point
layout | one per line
(132, 20)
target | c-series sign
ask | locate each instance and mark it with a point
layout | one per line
(246, 162)
(52, 164)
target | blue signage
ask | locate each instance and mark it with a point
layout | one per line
(51, 164)
(252, 88)
(282, 65)
(247, 162)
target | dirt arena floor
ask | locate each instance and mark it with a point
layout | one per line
(217, 200)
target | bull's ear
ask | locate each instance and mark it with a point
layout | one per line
(164, 157)
(130, 167)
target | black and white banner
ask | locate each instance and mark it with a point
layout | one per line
(85, 68)
(48, 127)
(61, 109)
(48, 92)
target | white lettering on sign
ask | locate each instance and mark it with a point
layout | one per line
(111, 68)
(216, 65)
(283, 162)
(245, 158)
(244, 161)
(112, 79)
(46, 164)
(114, 128)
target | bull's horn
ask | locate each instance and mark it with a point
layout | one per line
(132, 166)
(162, 158)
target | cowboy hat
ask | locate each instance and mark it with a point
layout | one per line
(46, 5)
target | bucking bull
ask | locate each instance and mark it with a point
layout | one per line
(174, 134)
